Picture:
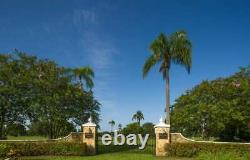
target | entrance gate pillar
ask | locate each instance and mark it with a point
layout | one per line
(162, 132)
(89, 137)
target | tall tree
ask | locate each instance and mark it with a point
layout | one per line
(138, 116)
(112, 124)
(13, 84)
(85, 76)
(119, 127)
(165, 51)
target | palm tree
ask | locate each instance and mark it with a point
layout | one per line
(112, 124)
(138, 116)
(85, 74)
(176, 49)
(119, 127)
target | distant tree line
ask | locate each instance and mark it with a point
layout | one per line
(43, 98)
(134, 127)
(218, 108)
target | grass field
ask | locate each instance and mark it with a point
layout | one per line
(111, 156)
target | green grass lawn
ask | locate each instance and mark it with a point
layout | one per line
(26, 138)
(111, 156)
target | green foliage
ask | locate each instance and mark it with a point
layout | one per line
(13, 149)
(194, 149)
(119, 127)
(131, 128)
(42, 93)
(218, 108)
(85, 74)
(41, 128)
(149, 147)
(16, 129)
(148, 128)
(138, 116)
(112, 124)
(27, 138)
(166, 50)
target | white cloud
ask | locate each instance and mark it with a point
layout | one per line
(100, 51)
(83, 16)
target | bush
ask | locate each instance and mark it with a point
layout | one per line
(194, 149)
(13, 149)
(16, 129)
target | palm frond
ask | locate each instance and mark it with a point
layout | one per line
(150, 62)
(159, 46)
(89, 81)
(181, 50)
(86, 74)
(138, 116)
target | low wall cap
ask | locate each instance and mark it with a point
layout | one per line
(90, 123)
(162, 124)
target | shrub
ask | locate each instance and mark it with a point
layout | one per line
(12, 149)
(194, 149)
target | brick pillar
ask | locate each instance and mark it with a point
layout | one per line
(89, 137)
(162, 131)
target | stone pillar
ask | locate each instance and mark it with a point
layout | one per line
(162, 132)
(89, 137)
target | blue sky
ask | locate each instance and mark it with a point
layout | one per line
(113, 37)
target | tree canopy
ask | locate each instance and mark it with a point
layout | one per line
(217, 108)
(38, 92)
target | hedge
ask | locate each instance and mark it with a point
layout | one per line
(12, 149)
(193, 149)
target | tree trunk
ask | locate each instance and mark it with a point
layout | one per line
(2, 136)
(167, 98)
(138, 127)
(81, 84)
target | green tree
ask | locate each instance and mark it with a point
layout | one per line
(13, 98)
(119, 127)
(165, 51)
(131, 128)
(16, 129)
(217, 108)
(138, 116)
(41, 92)
(148, 128)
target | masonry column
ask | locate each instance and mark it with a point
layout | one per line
(89, 136)
(162, 132)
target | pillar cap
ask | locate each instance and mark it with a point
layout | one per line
(162, 124)
(90, 123)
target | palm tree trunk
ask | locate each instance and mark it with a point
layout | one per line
(138, 127)
(167, 98)
(81, 83)
(2, 126)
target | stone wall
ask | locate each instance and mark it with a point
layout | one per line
(179, 138)
(76, 137)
